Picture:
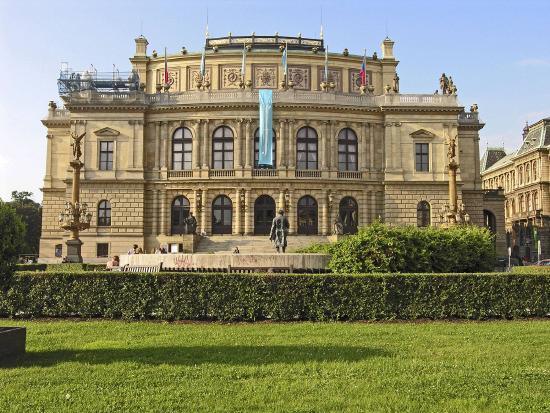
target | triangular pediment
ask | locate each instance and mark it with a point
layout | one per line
(107, 132)
(422, 133)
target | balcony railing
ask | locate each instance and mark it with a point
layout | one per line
(265, 172)
(180, 174)
(307, 173)
(221, 173)
(194, 97)
(350, 174)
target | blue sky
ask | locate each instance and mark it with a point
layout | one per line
(498, 53)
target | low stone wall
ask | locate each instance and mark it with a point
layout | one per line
(222, 261)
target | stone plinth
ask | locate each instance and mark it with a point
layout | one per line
(12, 342)
(224, 261)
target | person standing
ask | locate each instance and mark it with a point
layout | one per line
(279, 231)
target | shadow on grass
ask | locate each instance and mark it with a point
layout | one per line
(195, 355)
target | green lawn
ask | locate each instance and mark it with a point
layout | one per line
(114, 366)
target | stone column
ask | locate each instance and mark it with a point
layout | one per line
(282, 156)
(139, 142)
(364, 146)
(248, 213)
(333, 148)
(205, 145)
(163, 214)
(157, 145)
(248, 151)
(324, 141)
(155, 209)
(131, 145)
(196, 145)
(48, 176)
(291, 145)
(291, 213)
(371, 146)
(164, 150)
(238, 207)
(324, 214)
(238, 144)
(388, 149)
(372, 214)
(204, 212)
(397, 145)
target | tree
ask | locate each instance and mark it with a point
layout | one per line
(31, 214)
(12, 234)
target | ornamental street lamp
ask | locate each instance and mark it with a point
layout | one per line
(75, 217)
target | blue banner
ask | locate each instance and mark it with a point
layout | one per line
(265, 147)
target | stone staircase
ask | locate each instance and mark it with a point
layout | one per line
(250, 244)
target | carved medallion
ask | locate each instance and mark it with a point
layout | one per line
(195, 75)
(355, 80)
(300, 76)
(173, 77)
(231, 77)
(334, 75)
(265, 77)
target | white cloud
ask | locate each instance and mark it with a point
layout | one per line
(534, 62)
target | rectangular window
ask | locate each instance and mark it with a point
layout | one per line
(102, 250)
(106, 155)
(422, 157)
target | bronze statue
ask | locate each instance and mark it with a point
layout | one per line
(451, 153)
(77, 152)
(279, 231)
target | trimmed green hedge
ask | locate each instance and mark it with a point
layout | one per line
(244, 297)
(64, 267)
(531, 269)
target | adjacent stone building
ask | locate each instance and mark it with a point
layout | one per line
(342, 149)
(523, 177)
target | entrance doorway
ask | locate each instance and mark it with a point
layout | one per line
(307, 216)
(348, 215)
(264, 212)
(222, 215)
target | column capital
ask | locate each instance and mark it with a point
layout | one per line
(49, 136)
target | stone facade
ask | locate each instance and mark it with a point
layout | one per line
(138, 130)
(523, 177)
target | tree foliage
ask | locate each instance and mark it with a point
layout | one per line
(12, 232)
(31, 214)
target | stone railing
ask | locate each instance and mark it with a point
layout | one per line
(265, 172)
(58, 113)
(307, 173)
(350, 175)
(221, 173)
(180, 174)
(469, 117)
(291, 96)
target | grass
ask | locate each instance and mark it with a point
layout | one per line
(114, 366)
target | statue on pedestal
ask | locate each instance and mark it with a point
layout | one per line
(396, 83)
(77, 152)
(279, 231)
(444, 84)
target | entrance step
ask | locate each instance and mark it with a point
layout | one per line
(250, 244)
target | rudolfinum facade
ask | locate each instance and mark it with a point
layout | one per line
(179, 135)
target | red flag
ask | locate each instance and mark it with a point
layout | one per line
(166, 76)
(363, 72)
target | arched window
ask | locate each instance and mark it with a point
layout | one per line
(306, 148)
(527, 173)
(534, 170)
(347, 150)
(520, 175)
(182, 146)
(423, 218)
(104, 213)
(222, 148)
(307, 216)
(490, 221)
(257, 148)
(347, 212)
(180, 212)
(222, 215)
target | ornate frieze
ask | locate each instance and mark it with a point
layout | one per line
(230, 77)
(173, 77)
(334, 75)
(194, 75)
(301, 77)
(355, 80)
(265, 76)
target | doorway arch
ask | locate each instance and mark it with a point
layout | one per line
(307, 216)
(222, 215)
(264, 212)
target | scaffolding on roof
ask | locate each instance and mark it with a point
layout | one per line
(70, 81)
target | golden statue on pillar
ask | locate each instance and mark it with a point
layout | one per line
(452, 214)
(75, 217)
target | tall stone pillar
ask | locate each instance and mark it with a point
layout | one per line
(155, 210)
(291, 145)
(282, 156)
(48, 176)
(248, 150)
(292, 213)
(333, 147)
(281, 203)
(131, 145)
(364, 146)
(238, 144)
(238, 212)
(397, 145)
(388, 149)
(205, 145)
(157, 145)
(248, 214)
(196, 145)
(164, 150)
(323, 230)
(371, 146)
(204, 212)
(163, 214)
(324, 141)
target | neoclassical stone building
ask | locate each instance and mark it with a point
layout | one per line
(523, 176)
(152, 155)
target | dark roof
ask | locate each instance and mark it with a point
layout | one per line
(491, 157)
(537, 137)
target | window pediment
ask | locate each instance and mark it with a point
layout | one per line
(422, 134)
(107, 132)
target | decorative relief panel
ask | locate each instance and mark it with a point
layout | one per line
(173, 76)
(194, 75)
(355, 80)
(334, 75)
(265, 76)
(300, 75)
(230, 76)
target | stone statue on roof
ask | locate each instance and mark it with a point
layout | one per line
(444, 84)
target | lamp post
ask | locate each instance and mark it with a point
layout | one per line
(75, 217)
